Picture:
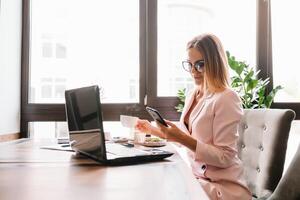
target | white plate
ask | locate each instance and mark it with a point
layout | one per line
(154, 144)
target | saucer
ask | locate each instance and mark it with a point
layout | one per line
(154, 142)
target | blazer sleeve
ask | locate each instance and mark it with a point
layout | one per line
(223, 150)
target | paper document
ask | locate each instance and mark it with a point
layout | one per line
(128, 121)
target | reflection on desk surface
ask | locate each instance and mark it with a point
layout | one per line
(86, 141)
(43, 174)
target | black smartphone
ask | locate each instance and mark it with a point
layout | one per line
(156, 116)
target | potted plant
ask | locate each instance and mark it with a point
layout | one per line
(250, 89)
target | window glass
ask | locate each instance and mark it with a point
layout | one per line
(285, 44)
(233, 21)
(84, 43)
(41, 130)
(51, 129)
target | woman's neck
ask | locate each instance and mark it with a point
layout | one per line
(200, 88)
(199, 93)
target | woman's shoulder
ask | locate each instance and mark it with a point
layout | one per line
(227, 93)
(228, 101)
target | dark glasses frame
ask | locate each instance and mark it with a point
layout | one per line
(198, 65)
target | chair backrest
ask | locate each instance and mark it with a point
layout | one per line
(263, 136)
(289, 185)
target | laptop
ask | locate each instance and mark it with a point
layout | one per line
(84, 118)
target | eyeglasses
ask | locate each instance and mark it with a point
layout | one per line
(187, 65)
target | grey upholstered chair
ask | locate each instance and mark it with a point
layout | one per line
(262, 147)
(288, 187)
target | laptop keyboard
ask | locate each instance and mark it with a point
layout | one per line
(121, 150)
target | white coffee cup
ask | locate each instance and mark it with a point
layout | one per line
(129, 122)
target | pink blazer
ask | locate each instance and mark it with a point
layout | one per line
(214, 123)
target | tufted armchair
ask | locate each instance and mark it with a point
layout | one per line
(288, 187)
(263, 136)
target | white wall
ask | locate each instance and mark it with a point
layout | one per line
(10, 65)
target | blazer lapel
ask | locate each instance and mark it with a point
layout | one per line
(188, 105)
(198, 108)
(196, 112)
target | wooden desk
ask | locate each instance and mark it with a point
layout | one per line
(28, 172)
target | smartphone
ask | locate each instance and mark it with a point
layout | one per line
(156, 115)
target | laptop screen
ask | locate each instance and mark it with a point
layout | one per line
(84, 117)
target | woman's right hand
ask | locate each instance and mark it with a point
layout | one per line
(146, 127)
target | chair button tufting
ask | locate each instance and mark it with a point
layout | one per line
(243, 146)
(245, 126)
(261, 147)
(257, 169)
(264, 127)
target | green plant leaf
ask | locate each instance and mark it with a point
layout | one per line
(249, 75)
(240, 68)
(181, 94)
(252, 84)
(270, 97)
(227, 54)
(179, 107)
(236, 81)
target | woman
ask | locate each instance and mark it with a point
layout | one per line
(209, 122)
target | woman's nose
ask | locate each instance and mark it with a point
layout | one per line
(193, 70)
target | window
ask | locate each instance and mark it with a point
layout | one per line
(54, 129)
(234, 22)
(285, 43)
(47, 50)
(40, 130)
(61, 51)
(96, 46)
(131, 49)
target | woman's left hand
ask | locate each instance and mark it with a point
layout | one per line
(172, 132)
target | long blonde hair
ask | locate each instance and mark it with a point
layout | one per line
(216, 73)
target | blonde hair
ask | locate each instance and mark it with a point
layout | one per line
(216, 66)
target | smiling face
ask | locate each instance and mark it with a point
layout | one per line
(193, 56)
